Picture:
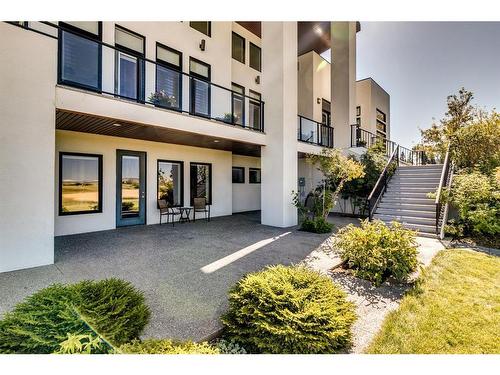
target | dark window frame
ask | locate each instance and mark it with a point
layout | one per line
(384, 130)
(64, 27)
(377, 112)
(242, 97)
(244, 47)
(158, 161)
(257, 102)
(141, 65)
(250, 58)
(193, 78)
(260, 175)
(241, 169)
(210, 169)
(99, 183)
(209, 28)
(170, 66)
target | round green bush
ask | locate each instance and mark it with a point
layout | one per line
(114, 308)
(288, 310)
(375, 251)
(111, 310)
(166, 346)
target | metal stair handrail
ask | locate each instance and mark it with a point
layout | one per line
(444, 182)
(381, 184)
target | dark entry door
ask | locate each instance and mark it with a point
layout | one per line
(130, 188)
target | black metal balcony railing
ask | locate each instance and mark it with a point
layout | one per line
(90, 64)
(363, 138)
(314, 132)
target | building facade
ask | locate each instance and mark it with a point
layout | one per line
(99, 120)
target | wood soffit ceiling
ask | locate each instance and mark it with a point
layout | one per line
(93, 124)
(312, 35)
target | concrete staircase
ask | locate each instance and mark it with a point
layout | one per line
(406, 198)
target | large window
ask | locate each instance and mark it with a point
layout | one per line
(200, 87)
(380, 115)
(255, 57)
(238, 48)
(255, 108)
(238, 104)
(80, 183)
(381, 122)
(201, 181)
(204, 27)
(238, 175)
(326, 117)
(129, 64)
(80, 54)
(168, 91)
(170, 182)
(254, 175)
(381, 126)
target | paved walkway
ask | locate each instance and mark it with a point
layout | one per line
(184, 271)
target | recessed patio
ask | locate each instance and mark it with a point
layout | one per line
(185, 271)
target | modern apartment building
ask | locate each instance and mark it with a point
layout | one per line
(101, 119)
(373, 108)
(315, 110)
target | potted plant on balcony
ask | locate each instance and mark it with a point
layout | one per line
(228, 118)
(162, 99)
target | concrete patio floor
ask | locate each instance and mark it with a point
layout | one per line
(184, 271)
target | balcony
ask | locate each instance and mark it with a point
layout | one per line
(88, 64)
(363, 138)
(313, 132)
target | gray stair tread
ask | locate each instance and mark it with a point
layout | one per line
(405, 218)
(408, 206)
(404, 212)
(431, 229)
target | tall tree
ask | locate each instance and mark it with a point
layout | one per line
(460, 113)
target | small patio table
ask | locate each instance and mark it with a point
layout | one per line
(185, 212)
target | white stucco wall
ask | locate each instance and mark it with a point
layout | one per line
(27, 117)
(243, 74)
(279, 156)
(370, 96)
(97, 144)
(246, 196)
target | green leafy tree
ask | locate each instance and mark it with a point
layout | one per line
(358, 189)
(337, 169)
(459, 114)
(477, 146)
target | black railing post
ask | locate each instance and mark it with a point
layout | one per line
(300, 128)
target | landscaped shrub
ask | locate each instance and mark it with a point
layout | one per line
(376, 251)
(229, 347)
(317, 225)
(111, 310)
(288, 310)
(83, 344)
(477, 199)
(114, 308)
(166, 346)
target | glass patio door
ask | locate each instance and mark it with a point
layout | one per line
(130, 188)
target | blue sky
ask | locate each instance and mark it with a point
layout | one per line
(420, 63)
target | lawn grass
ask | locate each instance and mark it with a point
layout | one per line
(454, 308)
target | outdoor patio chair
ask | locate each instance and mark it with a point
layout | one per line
(167, 210)
(200, 205)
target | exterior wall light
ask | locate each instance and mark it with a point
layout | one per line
(202, 45)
